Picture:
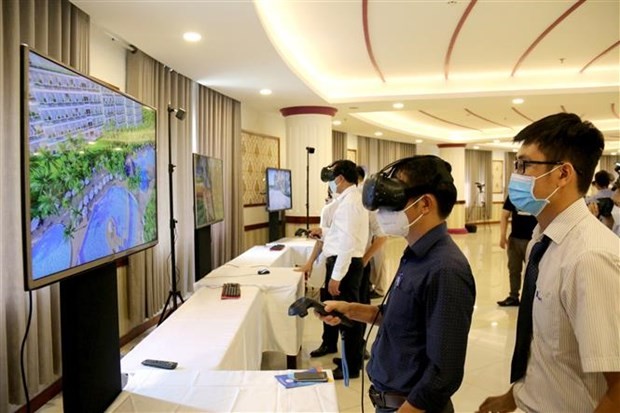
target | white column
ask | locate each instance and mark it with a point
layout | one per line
(308, 126)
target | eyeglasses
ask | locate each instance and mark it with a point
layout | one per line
(521, 164)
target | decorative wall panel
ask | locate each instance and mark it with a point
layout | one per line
(259, 152)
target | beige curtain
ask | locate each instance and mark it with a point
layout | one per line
(376, 153)
(478, 168)
(509, 167)
(339, 145)
(60, 30)
(218, 120)
(149, 272)
(608, 163)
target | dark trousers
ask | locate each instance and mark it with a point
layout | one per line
(516, 258)
(349, 291)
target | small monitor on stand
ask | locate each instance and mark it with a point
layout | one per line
(279, 199)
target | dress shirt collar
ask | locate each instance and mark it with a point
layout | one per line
(564, 222)
(421, 247)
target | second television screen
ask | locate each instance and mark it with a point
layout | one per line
(208, 190)
(279, 190)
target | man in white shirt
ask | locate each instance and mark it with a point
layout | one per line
(574, 352)
(343, 244)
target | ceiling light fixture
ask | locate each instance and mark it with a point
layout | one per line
(378, 133)
(398, 105)
(337, 123)
(265, 92)
(419, 140)
(518, 101)
(192, 37)
(476, 147)
(496, 141)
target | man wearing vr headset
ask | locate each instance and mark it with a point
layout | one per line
(343, 243)
(418, 356)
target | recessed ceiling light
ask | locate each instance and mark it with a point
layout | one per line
(496, 141)
(517, 101)
(398, 105)
(614, 153)
(191, 37)
(265, 92)
(337, 122)
(514, 150)
(419, 140)
(378, 133)
(476, 147)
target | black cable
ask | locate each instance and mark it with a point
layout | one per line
(21, 356)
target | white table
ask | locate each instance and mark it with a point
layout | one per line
(279, 289)
(206, 333)
(191, 390)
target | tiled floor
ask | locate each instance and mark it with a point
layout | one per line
(491, 338)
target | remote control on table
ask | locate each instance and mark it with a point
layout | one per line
(160, 364)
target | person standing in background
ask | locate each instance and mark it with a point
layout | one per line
(343, 244)
(515, 245)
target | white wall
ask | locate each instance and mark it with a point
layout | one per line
(107, 58)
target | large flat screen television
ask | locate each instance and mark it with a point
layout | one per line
(208, 190)
(88, 172)
(279, 190)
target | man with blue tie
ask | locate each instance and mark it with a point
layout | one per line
(567, 353)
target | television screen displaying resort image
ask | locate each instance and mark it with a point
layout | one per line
(88, 172)
(208, 190)
(279, 190)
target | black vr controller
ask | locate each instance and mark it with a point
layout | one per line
(301, 305)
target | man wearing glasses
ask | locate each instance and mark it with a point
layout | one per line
(567, 352)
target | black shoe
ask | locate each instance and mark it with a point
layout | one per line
(337, 361)
(323, 350)
(338, 375)
(374, 294)
(366, 354)
(509, 302)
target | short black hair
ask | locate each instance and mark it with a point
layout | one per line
(602, 179)
(432, 175)
(565, 137)
(347, 169)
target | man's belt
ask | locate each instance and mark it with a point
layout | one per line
(386, 399)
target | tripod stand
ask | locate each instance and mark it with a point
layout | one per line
(309, 150)
(174, 292)
(479, 205)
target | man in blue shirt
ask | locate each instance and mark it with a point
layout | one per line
(417, 359)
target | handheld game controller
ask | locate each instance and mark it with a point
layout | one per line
(300, 307)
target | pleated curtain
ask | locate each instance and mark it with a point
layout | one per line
(376, 153)
(339, 145)
(218, 131)
(61, 31)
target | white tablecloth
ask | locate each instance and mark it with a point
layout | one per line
(280, 288)
(184, 390)
(206, 333)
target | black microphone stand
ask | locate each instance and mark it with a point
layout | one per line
(174, 292)
(309, 150)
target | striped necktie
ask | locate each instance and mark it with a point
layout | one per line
(524, 322)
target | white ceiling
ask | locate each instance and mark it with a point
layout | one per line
(455, 65)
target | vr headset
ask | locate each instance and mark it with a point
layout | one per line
(327, 172)
(383, 190)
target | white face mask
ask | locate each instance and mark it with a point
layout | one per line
(396, 222)
(333, 187)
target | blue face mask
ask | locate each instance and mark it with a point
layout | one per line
(521, 193)
(333, 187)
